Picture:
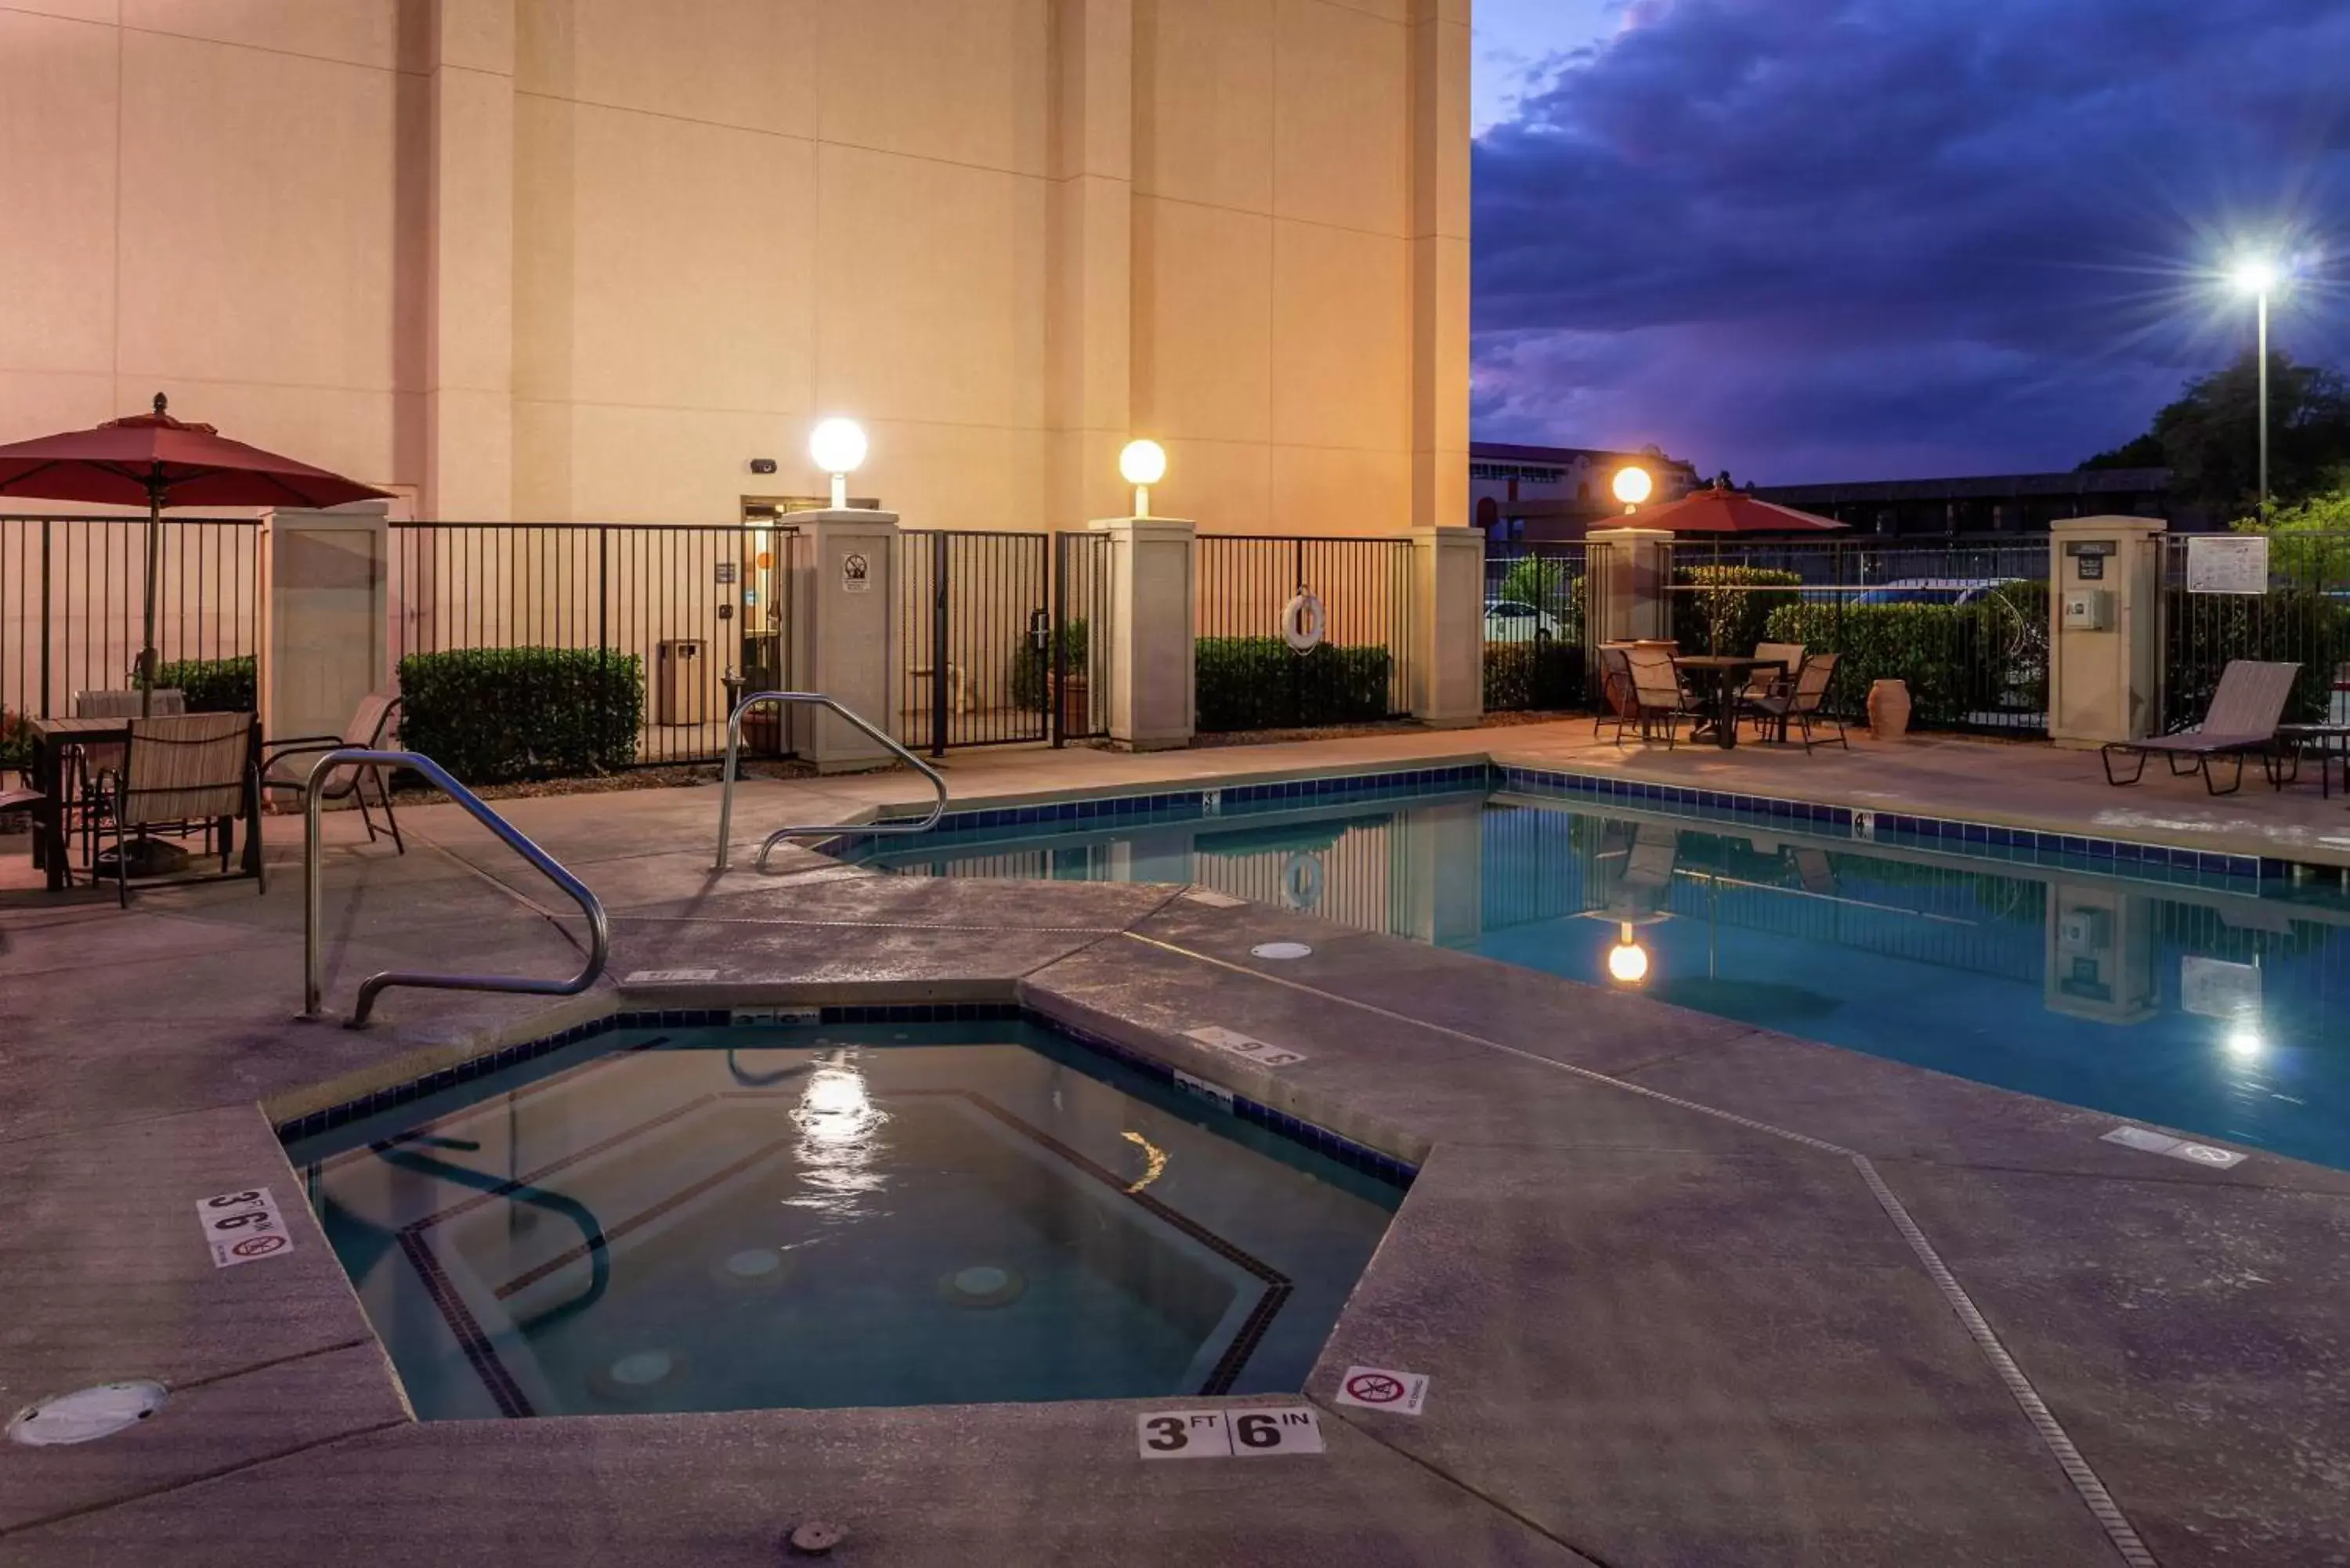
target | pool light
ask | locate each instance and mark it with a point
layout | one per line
(2243, 1042)
(1142, 464)
(1628, 960)
(1633, 485)
(838, 445)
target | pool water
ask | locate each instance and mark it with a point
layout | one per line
(727, 1219)
(2215, 1005)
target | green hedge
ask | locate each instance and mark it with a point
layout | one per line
(212, 685)
(1717, 610)
(1959, 662)
(494, 715)
(1258, 683)
(1031, 668)
(1544, 674)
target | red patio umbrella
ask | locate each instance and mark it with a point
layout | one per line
(156, 460)
(1720, 510)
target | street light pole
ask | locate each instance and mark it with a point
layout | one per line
(2264, 405)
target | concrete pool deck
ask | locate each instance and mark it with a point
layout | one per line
(1687, 1292)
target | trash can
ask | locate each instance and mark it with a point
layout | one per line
(681, 681)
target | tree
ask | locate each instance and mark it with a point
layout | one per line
(2310, 542)
(2210, 439)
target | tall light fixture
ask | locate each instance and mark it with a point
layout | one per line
(837, 446)
(1633, 485)
(1142, 464)
(2258, 277)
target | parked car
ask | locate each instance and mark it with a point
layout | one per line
(1513, 620)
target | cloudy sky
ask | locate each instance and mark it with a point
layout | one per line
(1854, 239)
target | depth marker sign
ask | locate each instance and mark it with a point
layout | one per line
(243, 1228)
(1228, 1433)
(1381, 1388)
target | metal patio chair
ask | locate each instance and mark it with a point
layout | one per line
(183, 773)
(374, 727)
(1799, 703)
(92, 772)
(1658, 696)
(2242, 718)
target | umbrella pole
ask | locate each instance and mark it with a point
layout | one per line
(147, 646)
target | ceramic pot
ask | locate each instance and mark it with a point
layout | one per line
(1888, 710)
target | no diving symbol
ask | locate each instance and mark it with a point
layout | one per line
(258, 1246)
(1381, 1388)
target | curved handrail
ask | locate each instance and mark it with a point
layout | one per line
(734, 746)
(600, 930)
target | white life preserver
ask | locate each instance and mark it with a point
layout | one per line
(1301, 881)
(1304, 622)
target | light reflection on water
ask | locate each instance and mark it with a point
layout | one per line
(840, 1147)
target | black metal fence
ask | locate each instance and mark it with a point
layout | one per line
(2303, 617)
(1252, 676)
(1537, 627)
(648, 621)
(1963, 623)
(72, 609)
(1003, 637)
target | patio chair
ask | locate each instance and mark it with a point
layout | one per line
(1790, 655)
(91, 771)
(1799, 703)
(1614, 691)
(374, 727)
(180, 774)
(1657, 695)
(2243, 717)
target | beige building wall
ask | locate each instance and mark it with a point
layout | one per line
(585, 259)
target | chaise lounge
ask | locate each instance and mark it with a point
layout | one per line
(2242, 718)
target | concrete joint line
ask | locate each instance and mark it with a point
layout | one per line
(2086, 1483)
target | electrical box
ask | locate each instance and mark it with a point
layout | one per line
(2088, 609)
(2085, 932)
(680, 694)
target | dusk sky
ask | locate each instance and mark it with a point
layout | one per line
(1813, 240)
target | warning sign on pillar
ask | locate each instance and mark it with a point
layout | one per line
(1383, 1388)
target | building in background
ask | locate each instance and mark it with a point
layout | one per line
(1990, 503)
(1548, 492)
(588, 259)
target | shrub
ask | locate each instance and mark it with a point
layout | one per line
(1031, 668)
(494, 715)
(16, 741)
(212, 685)
(1719, 609)
(2206, 631)
(1545, 673)
(1258, 683)
(1960, 661)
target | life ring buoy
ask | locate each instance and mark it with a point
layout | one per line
(1301, 881)
(1304, 623)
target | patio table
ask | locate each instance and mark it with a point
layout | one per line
(1727, 675)
(52, 739)
(2328, 742)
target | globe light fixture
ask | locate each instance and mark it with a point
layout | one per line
(837, 446)
(1628, 960)
(2253, 275)
(1633, 485)
(1142, 464)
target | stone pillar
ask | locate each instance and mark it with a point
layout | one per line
(469, 274)
(325, 632)
(1440, 105)
(1624, 590)
(2105, 617)
(1448, 626)
(845, 635)
(2100, 953)
(1153, 689)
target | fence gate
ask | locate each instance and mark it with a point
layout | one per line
(1000, 637)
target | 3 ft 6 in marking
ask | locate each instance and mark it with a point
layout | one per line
(243, 1227)
(1228, 1433)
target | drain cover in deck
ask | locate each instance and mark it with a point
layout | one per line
(87, 1414)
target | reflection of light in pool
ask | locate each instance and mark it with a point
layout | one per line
(840, 1140)
(2244, 1042)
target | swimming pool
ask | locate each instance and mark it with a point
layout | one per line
(730, 1218)
(2164, 987)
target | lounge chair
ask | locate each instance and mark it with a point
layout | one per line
(186, 772)
(1800, 702)
(2243, 717)
(287, 764)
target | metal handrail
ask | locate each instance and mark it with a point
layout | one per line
(734, 746)
(600, 930)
